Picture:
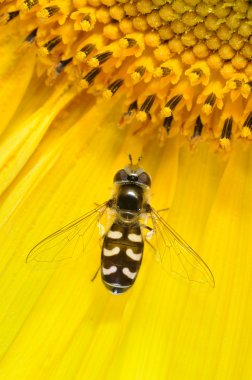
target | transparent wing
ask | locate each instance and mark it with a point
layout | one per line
(176, 255)
(70, 241)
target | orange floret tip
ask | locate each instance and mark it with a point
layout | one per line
(194, 49)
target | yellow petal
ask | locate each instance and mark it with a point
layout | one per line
(60, 323)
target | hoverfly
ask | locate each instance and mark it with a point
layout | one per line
(123, 241)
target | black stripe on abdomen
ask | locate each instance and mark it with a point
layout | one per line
(121, 255)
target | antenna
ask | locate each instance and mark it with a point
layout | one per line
(130, 158)
(138, 161)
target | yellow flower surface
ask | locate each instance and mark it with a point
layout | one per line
(184, 70)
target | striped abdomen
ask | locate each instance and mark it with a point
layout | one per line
(121, 257)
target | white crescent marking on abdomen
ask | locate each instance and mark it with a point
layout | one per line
(132, 255)
(114, 234)
(110, 270)
(129, 274)
(134, 237)
(111, 252)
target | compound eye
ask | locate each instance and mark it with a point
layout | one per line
(120, 176)
(144, 179)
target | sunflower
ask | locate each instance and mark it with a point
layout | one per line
(83, 84)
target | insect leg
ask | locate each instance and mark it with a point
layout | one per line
(147, 227)
(149, 234)
(148, 242)
(95, 275)
(163, 209)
